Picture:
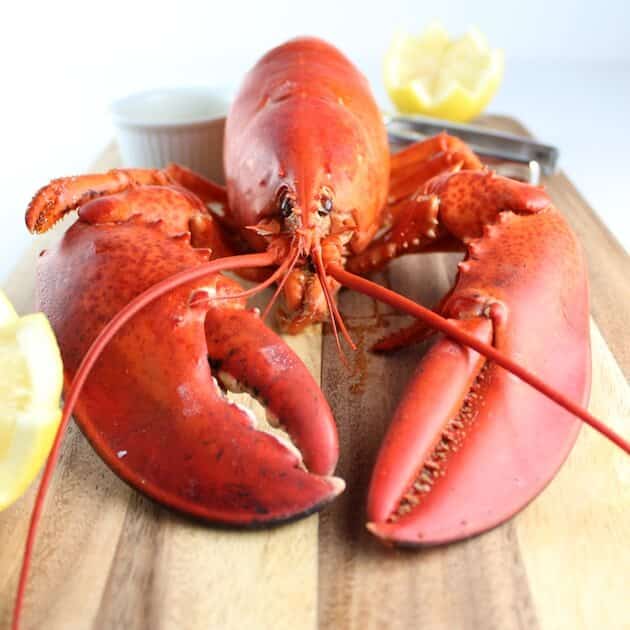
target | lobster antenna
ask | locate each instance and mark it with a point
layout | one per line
(264, 259)
(440, 323)
(334, 311)
(248, 292)
(293, 258)
(333, 324)
(335, 317)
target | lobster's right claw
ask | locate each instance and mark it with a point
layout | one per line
(152, 406)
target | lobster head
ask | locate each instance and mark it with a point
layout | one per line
(318, 181)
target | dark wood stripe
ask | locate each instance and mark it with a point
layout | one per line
(129, 595)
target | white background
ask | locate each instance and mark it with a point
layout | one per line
(62, 63)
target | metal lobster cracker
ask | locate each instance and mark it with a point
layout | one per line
(152, 334)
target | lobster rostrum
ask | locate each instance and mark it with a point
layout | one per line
(151, 332)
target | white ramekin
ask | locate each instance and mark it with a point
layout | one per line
(182, 125)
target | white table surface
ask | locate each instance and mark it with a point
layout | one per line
(583, 109)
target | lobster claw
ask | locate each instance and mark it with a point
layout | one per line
(470, 445)
(153, 406)
(247, 356)
(411, 458)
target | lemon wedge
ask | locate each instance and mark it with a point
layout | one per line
(433, 75)
(31, 377)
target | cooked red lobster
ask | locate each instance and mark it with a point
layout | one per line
(152, 334)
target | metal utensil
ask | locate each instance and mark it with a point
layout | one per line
(487, 143)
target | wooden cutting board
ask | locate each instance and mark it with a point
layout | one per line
(108, 558)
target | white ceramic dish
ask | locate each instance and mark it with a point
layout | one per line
(183, 125)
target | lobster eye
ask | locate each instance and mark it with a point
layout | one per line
(326, 207)
(286, 206)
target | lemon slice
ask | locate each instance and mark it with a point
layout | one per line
(31, 377)
(433, 75)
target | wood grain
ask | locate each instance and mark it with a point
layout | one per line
(108, 558)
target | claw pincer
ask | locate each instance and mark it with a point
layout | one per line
(470, 445)
(155, 406)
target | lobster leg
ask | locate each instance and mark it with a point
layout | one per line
(415, 165)
(208, 191)
(416, 332)
(418, 152)
(449, 206)
(411, 180)
(415, 227)
(63, 195)
(214, 229)
(182, 212)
